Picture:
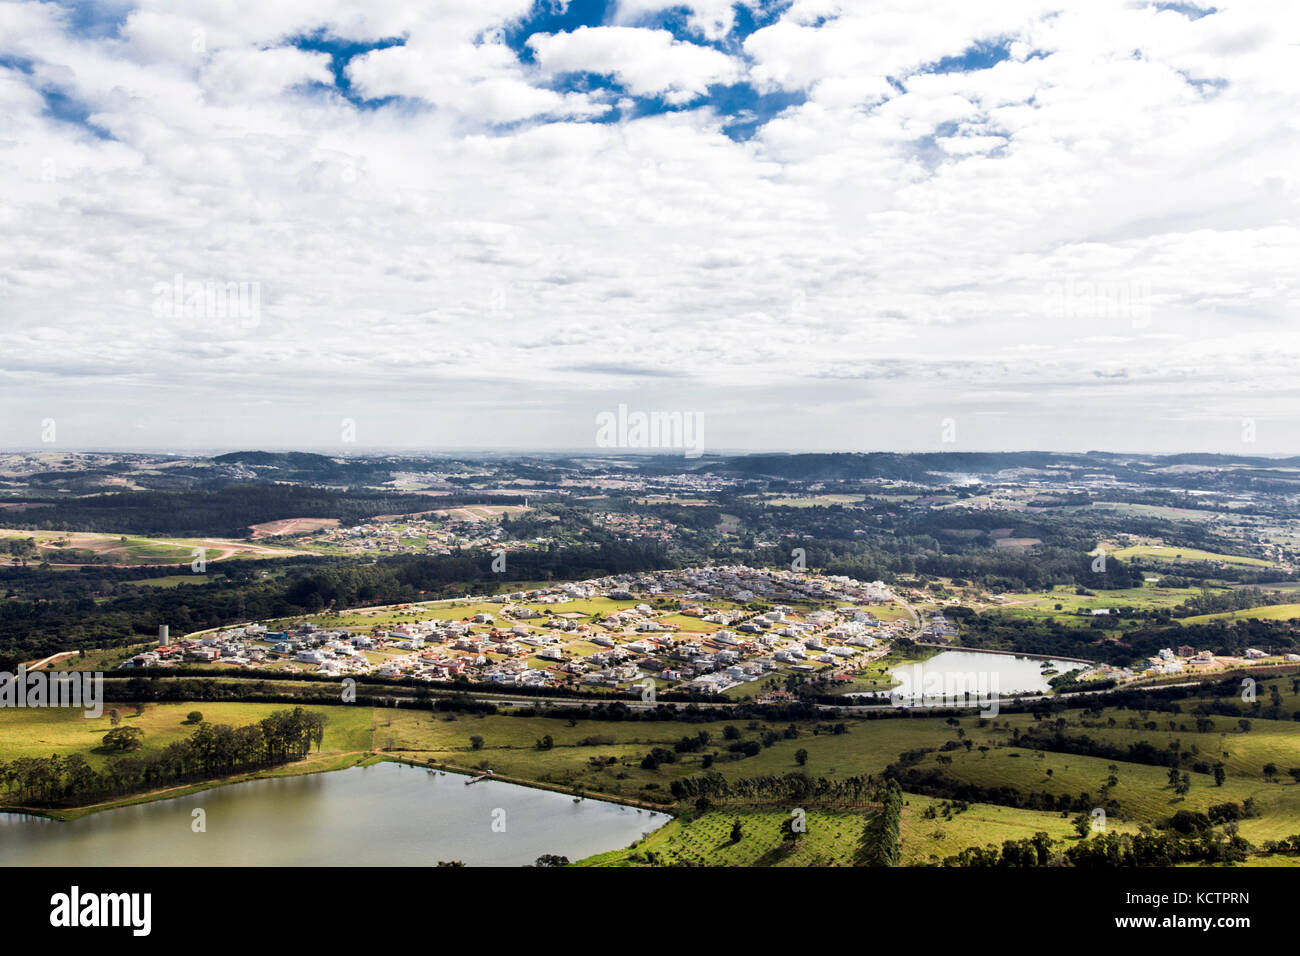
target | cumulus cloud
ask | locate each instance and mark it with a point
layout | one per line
(711, 19)
(646, 62)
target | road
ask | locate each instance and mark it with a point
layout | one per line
(512, 700)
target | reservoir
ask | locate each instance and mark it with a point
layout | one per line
(387, 814)
(979, 672)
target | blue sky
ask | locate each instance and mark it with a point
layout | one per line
(819, 224)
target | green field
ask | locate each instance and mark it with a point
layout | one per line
(1143, 791)
(1039, 605)
(832, 836)
(1179, 555)
(170, 581)
(813, 501)
(39, 732)
(100, 658)
(605, 758)
(1271, 612)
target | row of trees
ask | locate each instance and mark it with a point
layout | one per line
(1147, 848)
(881, 843)
(796, 787)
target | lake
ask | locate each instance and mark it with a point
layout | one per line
(980, 672)
(384, 815)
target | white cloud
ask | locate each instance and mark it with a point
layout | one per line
(257, 74)
(711, 19)
(647, 62)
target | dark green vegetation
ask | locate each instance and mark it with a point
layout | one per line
(224, 511)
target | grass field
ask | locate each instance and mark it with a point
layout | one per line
(1180, 555)
(100, 658)
(39, 732)
(602, 757)
(1150, 511)
(389, 616)
(1040, 605)
(170, 581)
(813, 501)
(1143, 791)
(1272, 612)
(832, 837)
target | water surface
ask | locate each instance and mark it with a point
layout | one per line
(384, 815)
(979, 671)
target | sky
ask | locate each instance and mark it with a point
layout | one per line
(809, 225)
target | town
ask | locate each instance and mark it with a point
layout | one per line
(726, 631)
(697, 633)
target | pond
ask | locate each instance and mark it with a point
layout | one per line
(384, 815)
(978, 673)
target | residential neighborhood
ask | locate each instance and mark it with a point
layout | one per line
(696, 630)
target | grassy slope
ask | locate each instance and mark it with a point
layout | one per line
(867, 748)
(1272, 612)
(45, 731)
(832, 836)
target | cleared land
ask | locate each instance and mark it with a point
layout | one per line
(84, 547)
(270, 529)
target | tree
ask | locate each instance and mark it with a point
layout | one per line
(801, 756)
(476, 742)
(194, 717)
(1220, 775)
(737, 831)
(124, 738)
(114, 717)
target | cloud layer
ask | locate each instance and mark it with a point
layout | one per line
(821, 225)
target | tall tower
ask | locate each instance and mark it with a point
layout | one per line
(162, 634)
